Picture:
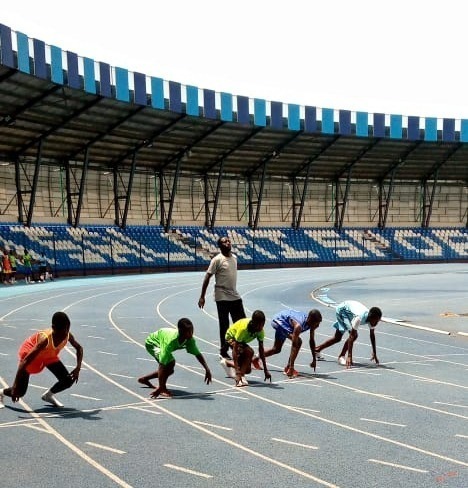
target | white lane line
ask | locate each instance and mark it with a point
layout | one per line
(85, 397)
(364, 372)
(452, 404)
(462, 436)
(145, 359)
(463, 333)
(95, 337)
(71, 446)
(306, 383)
(284, 441)
(146, 410)
(87, 325)
(122, 376)
(177, 386)
(189, 471)
(109, 353)
(393, 465)
(211, 425)
(383, 422)
(106, 448)
(307, 409)
(6, 338)
(3, 354)
(37, 427)
(237, 397)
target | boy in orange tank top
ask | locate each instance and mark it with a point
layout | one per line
(41, 350)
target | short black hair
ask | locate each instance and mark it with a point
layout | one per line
(221, 238)
(184, 324)
(258, 316)
(375, 312)
(315, 315)
(60, 321)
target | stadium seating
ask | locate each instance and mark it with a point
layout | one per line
(107, 248)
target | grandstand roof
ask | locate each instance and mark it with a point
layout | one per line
(68, 121)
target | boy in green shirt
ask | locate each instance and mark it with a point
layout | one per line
(161, 344)
(237, 336)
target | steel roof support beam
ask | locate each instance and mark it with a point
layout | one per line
(37, 168)
(10, 118)
(340, 205)
(54, 128)
(122, 221)
(210, 219)
(166, 218)
(428, 201)
(255, 204)
(99, 137)
(210, 213)
(70, 216)
(298, 207)
(74, 214)
(84, 174)
(384, 206)
(19, 193)
(147, 142)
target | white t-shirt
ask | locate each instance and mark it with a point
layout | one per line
(224, 269)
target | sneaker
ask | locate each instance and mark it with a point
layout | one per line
(290, 373)
(242, 382)
(230, 372)
(256, 363)
(319, 356)
(2, 396)
(49, 397)
(342, 361)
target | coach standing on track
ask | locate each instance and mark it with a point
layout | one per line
(228, 300)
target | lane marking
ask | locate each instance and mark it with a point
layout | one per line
(189, 471)
(462, 436)
(237, 397)
(6, 338)
(393, 465)
(146, 410)
(37, 427)
(70, 445)
(85, 397)
(383, 422)
(284, 441)
(96, 337)
(109, 353)
(212, 425)
(393, 399)
(452, 404)
(249, 393)
(430, 379)
(307, 409)
(122, 376)
(106, 448)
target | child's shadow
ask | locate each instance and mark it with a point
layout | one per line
(64, 412)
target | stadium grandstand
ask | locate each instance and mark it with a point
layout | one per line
(106, 170)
